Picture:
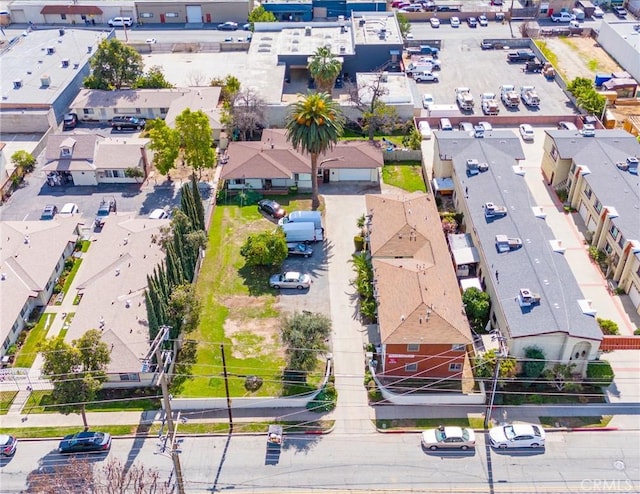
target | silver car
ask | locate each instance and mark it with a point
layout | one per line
(448, 437)
(290, 279)
(517, 436)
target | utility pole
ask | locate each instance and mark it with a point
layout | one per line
(494, 386)
(226, 388)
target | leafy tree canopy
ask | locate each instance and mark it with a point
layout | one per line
(195, 134)
(476, 305)
(114, 66)
(23, 160)
(305, 334)
(485, 365)
(534, 363)
(405, 25)
(259, 14)
(165, 141)
(153, 79)
(325, 68)
(265, 249)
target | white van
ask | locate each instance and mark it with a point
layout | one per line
(302, 232)
(314, 217)
(120, 22)
(69, 209)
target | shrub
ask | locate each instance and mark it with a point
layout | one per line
(637, 331)
(608, 327)
(563, 194)
(68, 263)
(599, 372)
(595, 254)
(535, 399)
(325, 400)
(12, 349)
(534, 363)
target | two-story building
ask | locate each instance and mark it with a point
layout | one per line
(600, 175)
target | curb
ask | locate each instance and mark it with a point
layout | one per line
(484, 431)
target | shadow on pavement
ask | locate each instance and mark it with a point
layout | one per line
(449, 453)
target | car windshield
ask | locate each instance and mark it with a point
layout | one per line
(509, 433)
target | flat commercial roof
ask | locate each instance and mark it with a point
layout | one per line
(535, 266)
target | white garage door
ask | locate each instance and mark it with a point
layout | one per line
(359, 174)
(583, 212)
(634, 295)
(194, 13)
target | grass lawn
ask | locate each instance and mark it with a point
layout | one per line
(85, 245)
(31, 432)
(235, 295)
(40, 402)
(72, 275)
(29, 350)
(390, 424)
(406, 175)
(597, 421)
(6, 399)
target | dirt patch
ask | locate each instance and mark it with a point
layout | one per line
(254, 337)
(581, 57)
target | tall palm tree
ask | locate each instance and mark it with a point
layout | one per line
(314, 125)
(325, 68)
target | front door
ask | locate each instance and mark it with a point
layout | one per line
(162, 20)
(326, 176)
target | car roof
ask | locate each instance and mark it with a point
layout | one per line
(6, 438)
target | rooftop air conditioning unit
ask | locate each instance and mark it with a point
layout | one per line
(65, 63)
(632, 163)
(17, 83)
(307, 30)
(362, 22)
(50, 50)
(45, 81)
(343, 49)
(384, 77)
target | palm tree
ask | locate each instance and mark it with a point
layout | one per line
(313, 126)
(325, 68)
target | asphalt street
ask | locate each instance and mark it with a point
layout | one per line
(571, 462)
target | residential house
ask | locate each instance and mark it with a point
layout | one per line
(424, 332)
(600, 175)
(535, 299)
(90, 159)
(272, 164)
(112, 281)
(31, 260)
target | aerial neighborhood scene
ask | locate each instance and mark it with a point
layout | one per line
(304, 246)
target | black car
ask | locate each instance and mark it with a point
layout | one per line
(70, 121)
(299, 249)
(85, 442)
(49, 211)
(130, 123)
(472, 21)
(448, 8)
(272, 208)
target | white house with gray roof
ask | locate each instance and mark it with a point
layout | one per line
(600, 175)
(536, 300)
(31, 259)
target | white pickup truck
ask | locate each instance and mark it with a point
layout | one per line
(530, 96)
(509, 96)
(489, 104)
(464, 98)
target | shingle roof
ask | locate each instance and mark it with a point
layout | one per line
(119, 153)
(535, 266)
(418, 294)
(128, 98)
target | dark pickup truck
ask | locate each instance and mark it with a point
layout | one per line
(521, 56)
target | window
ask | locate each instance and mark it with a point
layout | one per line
(65, 151)
(83, 17)
(63, 17)
(598, 206)
(238, 181)
(621, 241)
(88, 111)
(146, 15)
(587, 191)
(296, 177)
(608, 248)
(568, 185)
(172, 14)
(164, 110)
(455, 367)
(554, 153)
(458, 347)
(130, 377)
(319, 172)
(413, 347)
(411, 367)
(614, 232)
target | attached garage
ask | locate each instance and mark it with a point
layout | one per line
(354, 175)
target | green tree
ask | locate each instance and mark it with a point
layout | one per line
(23, 161)
(364, 283)
(592, 102)
(413, 139)
(579, 85)
(77, 370)
(485, 365)
(314, 125)
(265, 249)
(325, 68)
(134, 172)
(153, 79)
(195, 133)
(534, 363)
(259, 14)
(246, 113)
(230, 87)
(165, 142)
(404, 24)
(304, 335)
(608, 326)
(114, 66)
(560, 376)
(184, 308)
(476, 305)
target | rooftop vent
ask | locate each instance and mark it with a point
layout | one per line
(343, 49)
(61, 31)
(65, 63)
(362, 22)
(75, 66)
(17, 83)
(307, 30)
(384, 77)
(527, 298)
(45, 81)
(472, 167)
(50, 50)
(89, 49)
(506, 244)
(632, 163)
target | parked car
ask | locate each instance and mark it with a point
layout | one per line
(486, 126)
(483, 21)
(425, 130)
(445, 124)
(8, 445)
(85, 442)
(472, 22)
(435, 22)
(567, 126)
(588, 130)
(246, 26)
(455, 22)
(228, 26)
(120, 22)
(128, 123)
(427, 100)
(106, 207)
(290, 279)
(425, 77)
(299, 249)
(448, 437)
(620, 12)
(517, 436)
(562, 17)
(597, 13)
(448, 8)
(69, 209)
(486, 45)
(465, 127)
(526, 132)
(69, 121)
(158, 214)
(272, 208)
(49, 211)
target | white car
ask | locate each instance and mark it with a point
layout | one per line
(597, 13)
(290, 279)
(425, 77)
(517, 436)
(588, 130)
(120, 22)
(448, 437)
(427, 100)
(483, 21)
(158, 214)
(69, 209)
(435, 22)
(425, 130)
(455, 22)
(526, 132)
(487, 127)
